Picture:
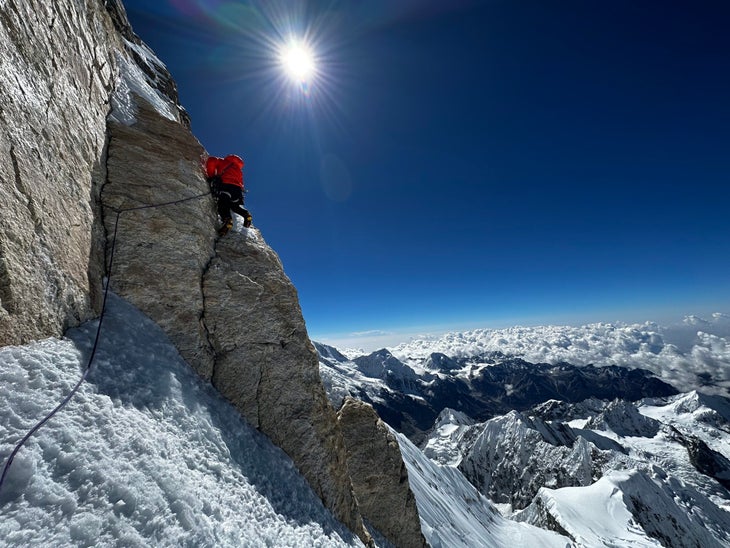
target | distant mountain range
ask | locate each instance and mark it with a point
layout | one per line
(481, 386)
(602, 454)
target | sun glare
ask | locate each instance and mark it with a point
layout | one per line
(298, 62)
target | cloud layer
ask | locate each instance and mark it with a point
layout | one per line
(692, 355)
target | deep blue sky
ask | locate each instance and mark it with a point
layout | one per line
(472, 163)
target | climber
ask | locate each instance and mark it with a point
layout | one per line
(225, 178)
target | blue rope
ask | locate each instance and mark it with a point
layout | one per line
(98, 333)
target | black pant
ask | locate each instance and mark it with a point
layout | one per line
(230, 198)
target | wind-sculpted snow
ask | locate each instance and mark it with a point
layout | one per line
(694, 354)
(146, 454)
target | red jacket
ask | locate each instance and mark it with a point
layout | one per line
(229, 169)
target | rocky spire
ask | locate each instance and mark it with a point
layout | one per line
(379, 475)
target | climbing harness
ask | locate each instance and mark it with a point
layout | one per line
(98, 329)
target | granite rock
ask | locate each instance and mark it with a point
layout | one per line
(268, 368)
(379, 475)
(56, 77)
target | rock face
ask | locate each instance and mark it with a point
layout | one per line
(267, 366)
(379, 475)
(55, 78)
(160, 254)
(228, 305)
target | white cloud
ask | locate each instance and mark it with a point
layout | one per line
(689, 355)
(363, 342)
(371, 333)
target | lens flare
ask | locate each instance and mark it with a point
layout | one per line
(298, 62)
(278, 60)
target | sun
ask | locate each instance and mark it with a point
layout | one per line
(298, 62)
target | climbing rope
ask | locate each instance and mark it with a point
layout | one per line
(98, 329)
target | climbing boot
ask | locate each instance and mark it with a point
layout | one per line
(247, 221)
(227, 225)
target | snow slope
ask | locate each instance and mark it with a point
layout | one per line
(596, 515)
(454, 514)
(691, 414)
(145, 454)
(626, 509)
